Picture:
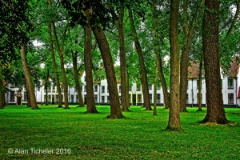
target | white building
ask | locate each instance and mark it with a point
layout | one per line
(230, 90)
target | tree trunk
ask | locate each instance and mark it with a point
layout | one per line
(188, 36)
(123, 66)
(155, 88)
(76, 74)
(174, 114)
(109, 68)
(61, 56)
(215, 109)
(158, 57)
(55, 67)
(144, 81)
(91, 108)
(200, 85)
(2, 98)
(28, 78)
(64, 78)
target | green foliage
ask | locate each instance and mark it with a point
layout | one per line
(92, 136)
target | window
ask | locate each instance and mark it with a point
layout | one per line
(150, 87)
(150, 97)
(230, 83)
(119, 88)
(139, 98)
(95, 98)
(12, 97)
(95, 88)
(103, 89)
(158, 98)
(25, 96)
(138, 87)
(53, 89)
(108, 99)
(187, 99)
(230, 98)
(103, 99)
(72, 98)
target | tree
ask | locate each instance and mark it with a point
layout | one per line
(174, 113)
(143, 73)
(215, 109)
(123, 66)
(188, 30)
(28, 79)
(91, 108)
(100, 18)
(60, 51)
(55, 66)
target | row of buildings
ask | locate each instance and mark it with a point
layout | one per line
(230, 90)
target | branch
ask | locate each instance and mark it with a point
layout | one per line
(234, 21)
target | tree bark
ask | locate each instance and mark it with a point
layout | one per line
(215, 109)
(155, 88)
(2, 98)
(174, 114)
(55, 67)
(144, 80)
(91, 108)
(200, 85)
(109, 68)
(76, 76)
(28, 79)
(61, 56)
(188, 36)
(123, 66)
(158, 56)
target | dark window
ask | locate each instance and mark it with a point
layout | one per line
(230, 83)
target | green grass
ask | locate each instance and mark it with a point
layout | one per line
(92, 136)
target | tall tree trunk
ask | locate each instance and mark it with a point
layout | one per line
(55, 68)
(109, 68)
(123, 66)
(2, 98)
(46, 87)
(28, 95)
(174, 114)
(188, 36)
(76, 76)
(91, 108)
(60, 50)
(200, 85)
(158, 56)
(155, 88)
(215, 109)
(144, 81)
(28, 78)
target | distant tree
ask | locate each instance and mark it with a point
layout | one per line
(215, 109)
(174, 113)
(143, 73)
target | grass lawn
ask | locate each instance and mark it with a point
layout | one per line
(52, 133)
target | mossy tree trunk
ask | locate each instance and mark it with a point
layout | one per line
(28, 79)
(91, 108)
(109, 68)
(174, 113)
(215, 109)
